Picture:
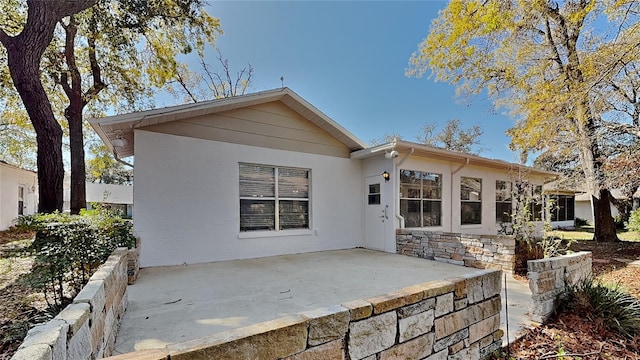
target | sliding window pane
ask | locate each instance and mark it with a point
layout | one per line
(470, 189)
(294, 214)
(431, 213)
(503, 211)
(257, 181)
(571, 209)
(562, 208)
(257, 215)
(293, 183)
(471, 213)
(503, 190)
(410, 211)
(410, 177)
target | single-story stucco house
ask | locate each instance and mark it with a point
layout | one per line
(113, 196)
(571, 204)
(18, 193)
(268, 174)
(584, 207)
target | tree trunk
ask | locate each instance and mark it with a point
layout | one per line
(73, 114)
(23, 56)
(605, 227)
(78, 172)
(24, 52)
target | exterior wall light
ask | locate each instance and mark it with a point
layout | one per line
(386, 176)
(119, 142)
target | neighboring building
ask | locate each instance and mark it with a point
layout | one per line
(563, 210)
(115, 197)
(584, 208)
(267, 174)
(18, 193)
(569, 205)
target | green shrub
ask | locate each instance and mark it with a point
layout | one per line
(579, 222)
(619, 222)
(634, 221)
(554, 246)
(618, 311)
(68, 249)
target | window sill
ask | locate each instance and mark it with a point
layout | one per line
(269, 234)
(471, 226)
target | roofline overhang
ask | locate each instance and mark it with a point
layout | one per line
(6, 164)
(122, 126)
(447, 155)
(373, 151)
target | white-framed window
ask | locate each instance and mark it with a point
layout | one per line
(470, 201)
(273, 197)
(420, 198)
(504, 196)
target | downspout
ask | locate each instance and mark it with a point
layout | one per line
(466, 162)
(121, 161)
(396, 194)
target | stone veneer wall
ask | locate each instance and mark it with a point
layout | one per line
(478, 251)
(548, 278)
(87, 328)
(457, 318)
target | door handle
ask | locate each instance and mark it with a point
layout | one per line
(386, 207)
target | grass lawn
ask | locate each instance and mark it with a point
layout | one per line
(586, 233)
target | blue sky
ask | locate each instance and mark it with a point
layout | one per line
(348, 59)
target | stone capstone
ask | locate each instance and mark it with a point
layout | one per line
(268, 340)
(327, 324)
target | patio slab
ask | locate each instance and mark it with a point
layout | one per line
(179, 303)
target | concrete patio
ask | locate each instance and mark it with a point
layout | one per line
(175, 304)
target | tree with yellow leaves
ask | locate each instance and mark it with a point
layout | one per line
(556, 64)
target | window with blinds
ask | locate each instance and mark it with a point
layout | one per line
(273, 198)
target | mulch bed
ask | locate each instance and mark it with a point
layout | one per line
(575, 335)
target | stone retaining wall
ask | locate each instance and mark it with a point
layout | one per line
(548, 278)
(87, 328)
(457, 318)
(478, 251)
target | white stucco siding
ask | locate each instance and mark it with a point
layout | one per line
(186, 195)
(11, 178)
(583, 210)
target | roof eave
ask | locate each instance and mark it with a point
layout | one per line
(372, 151)
(448, 155)
(122, 126)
